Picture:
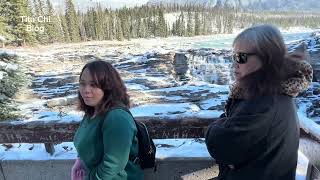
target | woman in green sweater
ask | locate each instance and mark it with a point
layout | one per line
(106, 138)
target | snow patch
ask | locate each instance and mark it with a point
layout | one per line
(2, 38)
(195, 87)
(9, 66)
(134, 86)
(1, 75)
(171, 109)
(213, 102)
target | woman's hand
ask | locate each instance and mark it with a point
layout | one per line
(77, 171)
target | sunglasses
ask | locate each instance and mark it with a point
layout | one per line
(242, 58)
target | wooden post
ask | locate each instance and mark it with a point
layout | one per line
(312, 172)
(49, 148)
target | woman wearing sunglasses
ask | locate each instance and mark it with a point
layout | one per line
(257, 137)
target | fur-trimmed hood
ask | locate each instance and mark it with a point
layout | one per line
(298, 82)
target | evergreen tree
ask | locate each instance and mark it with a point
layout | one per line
(219, 23)
(89, 24)
(161, 25)
(197, 24)
(106, 22)
(119, 33)
(52, 27)
(151, 26)
(181, 25)
(142, 29)
(125, 24)
(83, 34)
(190, 26)
(72, 21)
(4, 28)
(147, 32)
(204, 23)
(41, 35)
(174, 29)
(135, 21)
(99, 22)
(21, 30)
(229, 23)
(112, 26)
(64, 28)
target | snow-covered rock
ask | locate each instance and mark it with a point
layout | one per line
(211, 65)
(2, 74)
(2, 39)
(64, 101)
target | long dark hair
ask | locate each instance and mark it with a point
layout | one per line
(267, 42)
(108, 79)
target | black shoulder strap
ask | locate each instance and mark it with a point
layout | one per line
(113, 108)
(134, 159)
(123, 108)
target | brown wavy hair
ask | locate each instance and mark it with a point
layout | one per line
(108, 79)
(267, 42)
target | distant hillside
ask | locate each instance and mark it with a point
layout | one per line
(280, 5)
(208, 3)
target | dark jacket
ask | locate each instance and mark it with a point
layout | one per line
(257, 140)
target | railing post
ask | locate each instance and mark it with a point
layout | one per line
(49, 148)
(312, 172)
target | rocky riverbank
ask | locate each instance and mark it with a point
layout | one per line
(156, 72)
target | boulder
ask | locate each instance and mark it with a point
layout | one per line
(62, 101)
(180, 63)
(180, 66)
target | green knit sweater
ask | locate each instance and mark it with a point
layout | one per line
(104, 147)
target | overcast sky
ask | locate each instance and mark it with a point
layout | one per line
(83, 4)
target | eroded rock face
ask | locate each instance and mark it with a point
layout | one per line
(314, 110)
(316, 71)
(312, 44)
(312, 95)
(180, 64)
(54, 81)
(210, 65)
(312, 98)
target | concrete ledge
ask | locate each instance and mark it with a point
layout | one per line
(167, 168)
(183, 168)
(311, 149)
